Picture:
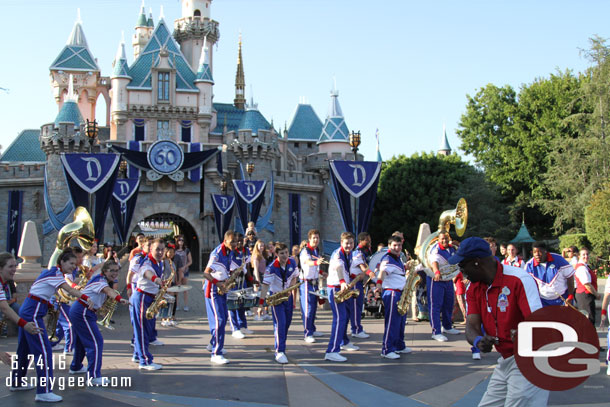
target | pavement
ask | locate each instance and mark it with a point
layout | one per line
(435, 374)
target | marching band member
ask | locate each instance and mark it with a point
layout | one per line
(132, 276)
(586, 285)
(64, 325)
(511, 257)
(280, 275)
(149, 280)
(553, 274)
(310, 266)
(34, 308)
(216, 272)
(237, 317)
(440, 293)
(359, 269)
(392, 280)
(338, 280)
(88, 340)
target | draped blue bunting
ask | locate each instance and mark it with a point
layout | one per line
(358, 179)
(223, 211)
(196, 173)
(123, 204)
(191, 160)
(13, 221)
(294, 212)
(265, 221)
(55, 221)
(133, 171)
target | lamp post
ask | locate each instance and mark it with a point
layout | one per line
(223, 186)
(91, 129)
(250, 169)
(123, 168)
(354, 142)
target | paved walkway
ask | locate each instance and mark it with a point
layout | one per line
(435, 374)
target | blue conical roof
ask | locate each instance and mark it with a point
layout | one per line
(75, 56)
(204, 74)
(69, 113)
(445, 142)
(523, 236)
(305, 124)
(120, 69)
(334, 128)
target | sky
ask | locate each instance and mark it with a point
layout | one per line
(403, 67)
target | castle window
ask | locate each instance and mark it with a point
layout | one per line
(163, 86)
(163, 130)
(186, 130)
(197, 13)
(296, 145)
(309, 145)
(139, 127)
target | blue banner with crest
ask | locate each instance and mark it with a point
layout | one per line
(249, 196)
(123, 204)
(357, 179)
(223, 211)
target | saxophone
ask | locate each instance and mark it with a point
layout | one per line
(230, 282)
(105, 312)
(281, 296)
(407, 291)
(51, 323)
(348, 293)
(159, 301)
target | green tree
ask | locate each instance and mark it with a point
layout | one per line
(417, 189)
(597, 219)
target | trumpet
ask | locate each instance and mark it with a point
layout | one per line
(106, 310)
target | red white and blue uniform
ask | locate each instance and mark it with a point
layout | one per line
(142, 297)
(516, 262)
(309, 276)
(34, 308)
(88, 340)
(440, 293)
(338, 273)
(394, 323)
(511, 297)
(355, 305)
(552, 278)
(584, 298)
(216, 305)
(64, 325)
(278, 279)
(237, 317)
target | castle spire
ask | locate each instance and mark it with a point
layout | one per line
(204, 73)
(142, 20)
(120, 67)
(240, 81)
(445, 148)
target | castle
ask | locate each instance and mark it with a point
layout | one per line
(167, 93)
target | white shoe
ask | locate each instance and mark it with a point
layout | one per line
(281, 358)
(156, 342)
(173, 322)
(151, 366)
(80, 371)
(219, 360)
(132, 345)
(476, 356)
(100, 381)
(238, 335)
(310, 339)
(451, 331)
(440, 338)
(23, 388)
(247, 331)
(267, 317)
(391, 355)
(258, 318)
(165, 323)
(135, 359)
(48, 397)
(405, 350)
(361, 335)
(334, 357)
(186, 309)
(349, 347)
(210, 348)
(317, 334)
(608, 371)
(249, 313)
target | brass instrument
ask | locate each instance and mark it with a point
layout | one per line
(51, 323)
(105, 312)
(348, 293)
(160, 301)
(63, 296)
(3, 323)
(230, 282)
(457, 217)
(281, 296)
(407, 291)
(81, 229)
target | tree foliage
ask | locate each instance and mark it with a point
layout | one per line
(417, 189)
(597, 219)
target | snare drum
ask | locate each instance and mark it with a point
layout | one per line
(169, 299)
(250, 300)
(233, 300)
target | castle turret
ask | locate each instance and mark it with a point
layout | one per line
(77, 60)
(240, 81)
(143, 32)
(335, 135)
(445, 149)
(119, 80)
(204, 82)
(191, 29)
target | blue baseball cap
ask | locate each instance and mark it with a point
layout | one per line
(473, 247)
